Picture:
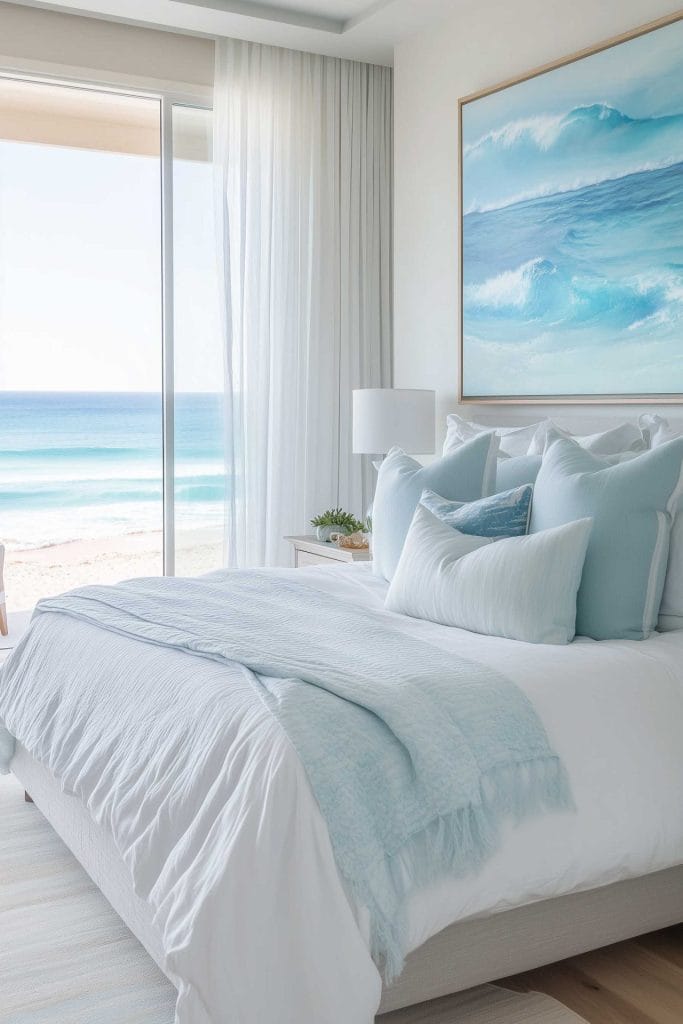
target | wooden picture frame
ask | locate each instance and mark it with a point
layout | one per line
(497, 393)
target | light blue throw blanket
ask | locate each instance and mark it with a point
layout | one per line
(414, 756)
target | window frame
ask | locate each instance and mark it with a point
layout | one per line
(168, 98)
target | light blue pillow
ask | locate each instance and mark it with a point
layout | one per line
(500, 515)
(523, 588)
(522, 469)
(631, 505)
(463, 475)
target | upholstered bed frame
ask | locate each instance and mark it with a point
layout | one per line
(465, 954)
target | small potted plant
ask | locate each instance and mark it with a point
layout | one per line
(335, 520)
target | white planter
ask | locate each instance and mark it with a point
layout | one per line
(325, 532)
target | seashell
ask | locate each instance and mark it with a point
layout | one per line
(357, 541)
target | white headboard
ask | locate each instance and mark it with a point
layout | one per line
(584, 419)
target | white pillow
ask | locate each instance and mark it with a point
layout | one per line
(513, 440)
(523, 588)
(627, 437)
(554, 433)
(657, 428)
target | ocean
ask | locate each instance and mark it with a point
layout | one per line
(575, 285)
(85, 465)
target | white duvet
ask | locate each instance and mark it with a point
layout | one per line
(212, 812)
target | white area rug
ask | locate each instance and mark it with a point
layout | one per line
(486, 1005)
(67, 958)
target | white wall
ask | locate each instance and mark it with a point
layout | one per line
(485, 42)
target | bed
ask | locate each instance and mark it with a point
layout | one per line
(559, 884)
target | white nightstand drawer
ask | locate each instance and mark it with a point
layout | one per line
(311, 551)
(306, 558)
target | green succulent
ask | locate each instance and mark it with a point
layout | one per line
(338, 517)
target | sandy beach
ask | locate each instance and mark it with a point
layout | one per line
(42, 572)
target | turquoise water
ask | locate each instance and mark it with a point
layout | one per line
(80, 465)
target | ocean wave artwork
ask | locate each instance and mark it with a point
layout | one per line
(572, 227)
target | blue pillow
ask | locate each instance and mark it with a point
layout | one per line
(463, 475)
(631, 505)
(501, 515)
(521, 469)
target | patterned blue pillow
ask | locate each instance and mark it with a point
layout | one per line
(501, 515)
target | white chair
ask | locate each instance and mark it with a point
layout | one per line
(3, 606)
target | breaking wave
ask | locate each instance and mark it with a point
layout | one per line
(540, 291)
(551, 154)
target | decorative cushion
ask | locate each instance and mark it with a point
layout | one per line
(500, 515)
(627, 437)
(523, 588)
(517, 471)
(464, 475)
(513, 440)
(631, 505)
(671, 610)
(657, 429)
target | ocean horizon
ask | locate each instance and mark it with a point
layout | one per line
(83, 465)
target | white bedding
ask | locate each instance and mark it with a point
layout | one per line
(255, 920)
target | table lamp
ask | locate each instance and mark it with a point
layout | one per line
(384, 417)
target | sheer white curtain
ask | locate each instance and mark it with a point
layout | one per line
(302, 149)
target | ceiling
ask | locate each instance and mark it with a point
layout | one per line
(340, 10)
(359, 29)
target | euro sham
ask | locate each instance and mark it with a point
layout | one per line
(512, 440)
(466, 474)
(523, 469)
(627, 437)
(632, 505)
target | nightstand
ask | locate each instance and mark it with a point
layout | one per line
(311, 551)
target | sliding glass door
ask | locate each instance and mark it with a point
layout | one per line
(199, 476)
(80, 338)
(106, 265)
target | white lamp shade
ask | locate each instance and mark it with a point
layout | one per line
(384, 417)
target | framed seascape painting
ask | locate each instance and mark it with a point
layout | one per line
(571, 221)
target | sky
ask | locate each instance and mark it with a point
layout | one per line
(80, 275)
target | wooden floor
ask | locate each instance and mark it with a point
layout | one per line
(636, 982)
